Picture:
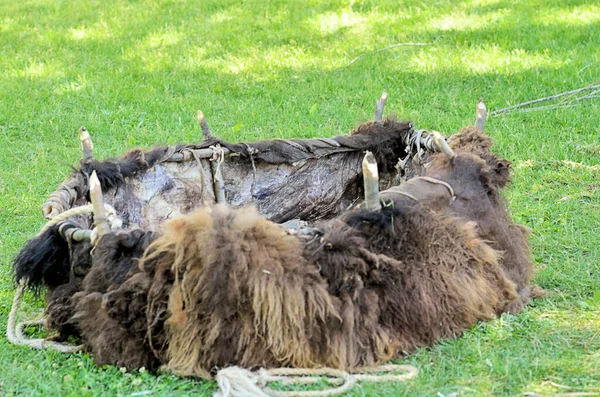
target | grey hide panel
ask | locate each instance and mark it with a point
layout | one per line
(313, 189)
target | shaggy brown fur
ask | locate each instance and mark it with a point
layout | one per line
(370, 286)
(110, 307)
(113, 325)
(59, 300)
(241, 293)
(476, 175)
(430, 274)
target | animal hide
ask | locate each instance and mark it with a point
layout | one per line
(224, 285)
(307, 179)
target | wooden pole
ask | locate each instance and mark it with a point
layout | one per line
(371, 182)
(480, 115)
(100, 221)
(443, 146)
(200, 153)
(379, 105)
(87, 146)
(218, 182)
(206, 132)
(219, 185)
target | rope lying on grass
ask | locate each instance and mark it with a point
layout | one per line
(14, 330)
(15, 335)
(570, 99)
(240, 382)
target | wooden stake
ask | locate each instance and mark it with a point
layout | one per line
(87, 146)
(379, 105)
(218, 182)
(480, 115)
(371, 182)
(443, 146)
(74, 233)
(206, 132)
(100, 220)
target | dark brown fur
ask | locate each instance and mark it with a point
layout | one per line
(432, 276)
(113, 324)
(110, 307)
(112, 173)
(477, 175)
(371, 286)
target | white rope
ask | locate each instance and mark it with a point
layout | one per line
(438, 182)
(240, 382)
(111, 215)
(16, 336)
(84, 209)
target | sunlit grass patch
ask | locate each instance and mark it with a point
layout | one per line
(583, 14)
(464, 21)
(484, 59)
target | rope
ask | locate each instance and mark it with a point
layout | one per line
(200, 170)
(438, 182)
(415, 139)
(405, 194)
(397, 189)
(16, 336)
(218, 155)
(238, 382)
(84, 209)
(111, 215)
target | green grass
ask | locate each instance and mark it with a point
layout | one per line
(135, 72)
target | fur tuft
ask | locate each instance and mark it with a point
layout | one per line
(112, 173)
(44, 261)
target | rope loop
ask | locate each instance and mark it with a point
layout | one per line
(15, 332)
(238, 382)
(111, 214)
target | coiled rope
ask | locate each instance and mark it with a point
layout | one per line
(16, 336)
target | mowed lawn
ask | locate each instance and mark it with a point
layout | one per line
(135, 72)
